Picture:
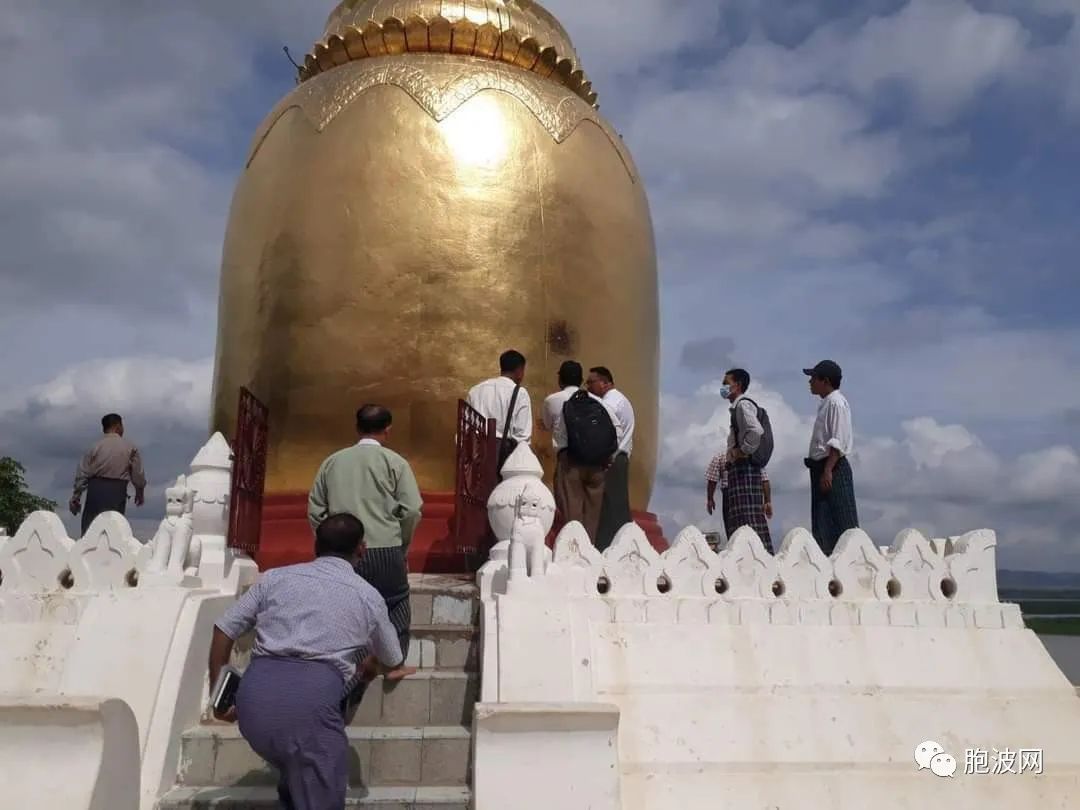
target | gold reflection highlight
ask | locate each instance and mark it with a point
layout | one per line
(477, 133)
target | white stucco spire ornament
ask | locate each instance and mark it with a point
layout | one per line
(520, 505)
(522, 478)
(214, 455)
(210, 483)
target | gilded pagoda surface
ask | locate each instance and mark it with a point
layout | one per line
(516, 32)
(406, 216)
(441, 84)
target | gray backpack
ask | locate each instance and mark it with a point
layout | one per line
(764, 450)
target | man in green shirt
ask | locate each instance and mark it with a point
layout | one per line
(377, 486)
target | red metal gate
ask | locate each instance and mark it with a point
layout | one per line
(249, 448)
(477, 475)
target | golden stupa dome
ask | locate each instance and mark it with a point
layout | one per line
(517, 32)
(438, 188)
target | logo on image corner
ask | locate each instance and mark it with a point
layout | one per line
(931, 756)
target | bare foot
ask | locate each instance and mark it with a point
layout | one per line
(399, 673)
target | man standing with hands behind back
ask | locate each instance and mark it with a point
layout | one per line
(376, 485)
(832, 487)
(615, 511)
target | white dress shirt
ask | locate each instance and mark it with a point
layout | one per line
(559, 428)
(750, 428)
(625, 411)
(553, 406)
(832, 428)
(491, 399)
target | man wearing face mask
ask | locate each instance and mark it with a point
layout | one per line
(744, 496)
(832, 487)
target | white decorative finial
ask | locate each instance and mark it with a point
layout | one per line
(210, 483)
(522, 476)
(214, 455)
(522, 463)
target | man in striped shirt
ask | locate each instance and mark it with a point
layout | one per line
(716, 476)
(313, 624)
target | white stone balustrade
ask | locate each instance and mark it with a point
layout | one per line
(189, 548)
(736, 678)
(908, 584)
(110, 619)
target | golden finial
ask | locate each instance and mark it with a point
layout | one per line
(518, 32)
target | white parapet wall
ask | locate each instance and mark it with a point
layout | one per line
(747, 681)
(68, 753)
(110, 618)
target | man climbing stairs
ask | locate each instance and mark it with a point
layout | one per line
(410, 742)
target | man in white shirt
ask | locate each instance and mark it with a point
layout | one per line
(744, 497)
(504, 399)
(571, 377)
(581, 465)
(616, 509)
(832, 487)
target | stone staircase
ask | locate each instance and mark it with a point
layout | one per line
(410, 742)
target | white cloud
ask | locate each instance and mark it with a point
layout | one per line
(618, 38)
(943, 51)
(165, 403)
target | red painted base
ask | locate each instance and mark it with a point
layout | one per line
(287, 539)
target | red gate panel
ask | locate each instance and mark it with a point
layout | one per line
(249, 448)
(477, 475)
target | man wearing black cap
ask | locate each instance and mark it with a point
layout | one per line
(832, 488)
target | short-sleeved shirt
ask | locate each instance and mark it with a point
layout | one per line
(553, 406)
(717, 471)
(491, 399)
(625, 411)
(316, 611)
(832, 428)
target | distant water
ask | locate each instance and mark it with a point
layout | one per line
(1065, 650)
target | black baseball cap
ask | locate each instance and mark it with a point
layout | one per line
(824, 370)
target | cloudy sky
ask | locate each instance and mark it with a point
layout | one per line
(891, 183)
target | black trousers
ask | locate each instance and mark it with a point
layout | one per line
(615, 510)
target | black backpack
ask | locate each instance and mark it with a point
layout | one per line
(590, 434)
(764, 450)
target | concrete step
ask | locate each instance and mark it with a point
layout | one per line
(444, 646)
(430, 697)
(443, 599)
(431, 756)
(265, 798)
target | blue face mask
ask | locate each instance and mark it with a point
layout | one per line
(725, 391)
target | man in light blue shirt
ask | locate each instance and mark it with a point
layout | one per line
(313, 623)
